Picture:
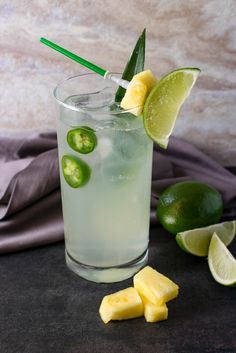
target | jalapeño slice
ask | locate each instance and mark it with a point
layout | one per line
(82, 139)
(76, 172)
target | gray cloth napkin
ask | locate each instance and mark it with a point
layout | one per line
(30, 200)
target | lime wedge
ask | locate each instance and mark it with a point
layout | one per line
(164, 102)
(197, 241)
(221, 262)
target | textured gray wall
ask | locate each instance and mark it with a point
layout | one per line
(179, 33)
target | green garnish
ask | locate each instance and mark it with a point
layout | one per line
(134, 65)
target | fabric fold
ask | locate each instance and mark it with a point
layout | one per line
(30, 200)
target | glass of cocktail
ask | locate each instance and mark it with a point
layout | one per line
(105, 156)
(105, 161)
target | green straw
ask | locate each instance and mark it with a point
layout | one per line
(104, 73)
(74, 57)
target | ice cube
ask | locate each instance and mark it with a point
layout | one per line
(104, 147)
(116, 171)
(94, 100)
(130, 145)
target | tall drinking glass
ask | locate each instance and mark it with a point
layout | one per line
(105, 161)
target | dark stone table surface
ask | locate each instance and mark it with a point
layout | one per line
(46, 308)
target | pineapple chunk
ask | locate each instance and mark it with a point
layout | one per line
(147, 78)
(155, 287)
(154, 313)
(125, 304)
(135, 97)
(137, 91)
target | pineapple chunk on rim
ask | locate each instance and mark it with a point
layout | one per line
(137, 92)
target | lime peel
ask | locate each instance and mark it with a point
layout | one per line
(221, 262)
(197, 241)
(164, 102)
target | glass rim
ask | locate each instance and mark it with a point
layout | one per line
(86, 110)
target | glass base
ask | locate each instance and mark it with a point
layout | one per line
(107, 274)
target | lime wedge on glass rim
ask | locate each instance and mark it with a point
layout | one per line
(221, 262)
(164, 102)
(197, 241)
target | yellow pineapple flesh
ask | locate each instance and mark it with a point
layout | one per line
(147, 78)
(153, 312)
(137, 91)
(155, 287)
(125, 304)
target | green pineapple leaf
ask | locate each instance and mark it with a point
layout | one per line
(134, 65)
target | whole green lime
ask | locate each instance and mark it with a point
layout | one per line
(188, 205)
